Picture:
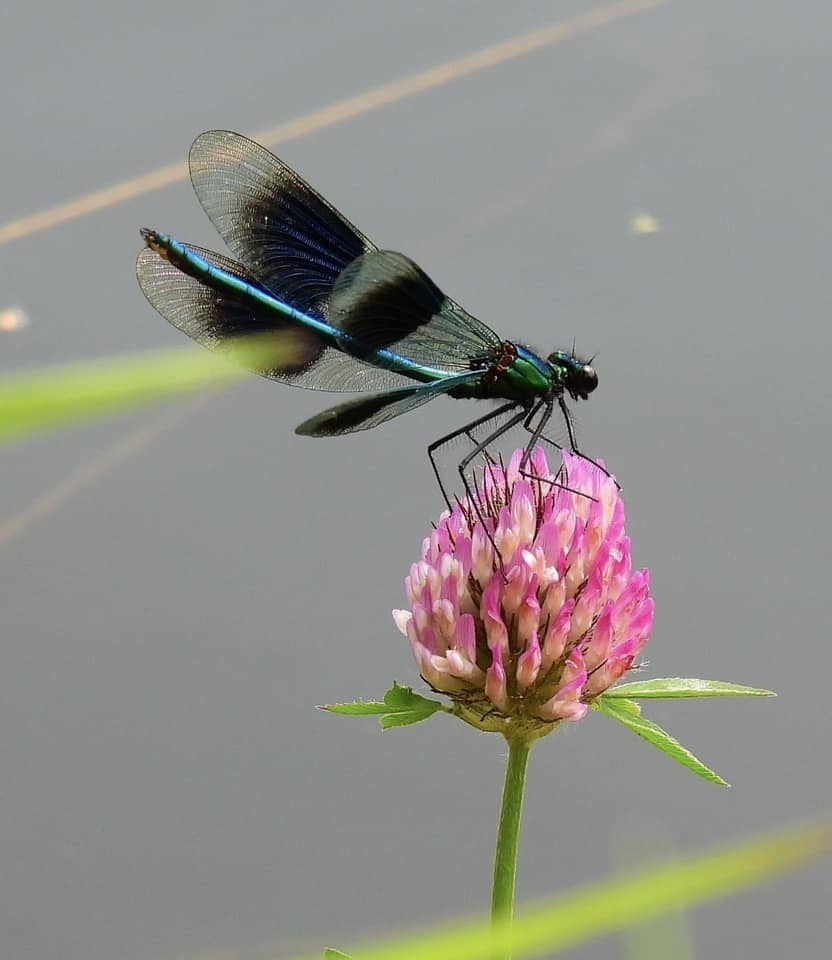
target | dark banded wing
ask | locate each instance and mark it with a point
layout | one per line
(367, 412)
(385, 300)
(281, 230)
(213, 315)
(304, 251)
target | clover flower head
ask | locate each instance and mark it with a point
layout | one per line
(523, 607)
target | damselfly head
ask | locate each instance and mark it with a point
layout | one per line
(579, 378)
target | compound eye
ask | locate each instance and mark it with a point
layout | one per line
(590, 379)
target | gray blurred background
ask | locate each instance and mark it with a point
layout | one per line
(180, 588)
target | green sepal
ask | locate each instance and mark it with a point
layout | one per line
(676, 688)
(628, 714)
(401, 707)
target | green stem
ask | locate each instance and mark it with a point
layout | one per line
(508, 835)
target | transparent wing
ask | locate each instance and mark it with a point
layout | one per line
(368, 412)
(212, 316)
(283, 232)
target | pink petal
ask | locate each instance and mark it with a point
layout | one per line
(465, 637)
(523, 512)
(496, 632)
(555, 640)
(528, 619)
(495, 680)
(528, 664)
(565, 704)
(462, 668)
(602, 636)
(482, 556)
(513, 592)
(402, 618)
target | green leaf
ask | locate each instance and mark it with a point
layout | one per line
(673, 688)
(52, 397)
(622, 711)
(627, 706)
(406, 719)
(401, 707)
(331, 954)
(561, 923)
(356, 708)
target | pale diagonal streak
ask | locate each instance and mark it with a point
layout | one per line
(338, 112)
(126, 447)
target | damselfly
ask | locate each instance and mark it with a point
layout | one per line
(360, 319)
